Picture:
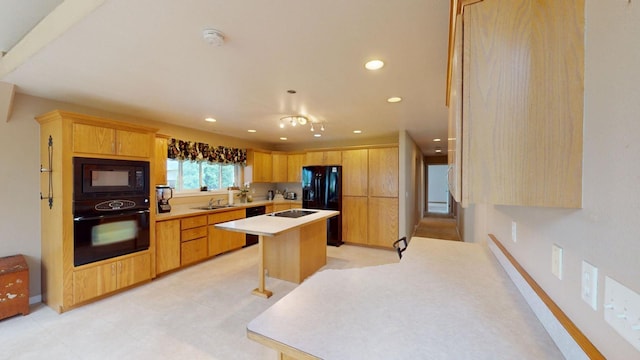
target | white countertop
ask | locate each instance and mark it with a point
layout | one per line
(186, 210)
(443, 300)
(273, 225)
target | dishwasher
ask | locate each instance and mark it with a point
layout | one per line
(250, 212)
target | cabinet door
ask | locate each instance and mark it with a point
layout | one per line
(355, 168)
(383, 221)
(134, 270)
(354, 219)
(221, 241)
(294, 167)
(193, 250)
(94, 281)
(332, 157)
(133, 143)
(383, 172)
(314, 158)
(280, 167)
(259, 167)
(167, 245)
(94, 139)
(160, 160)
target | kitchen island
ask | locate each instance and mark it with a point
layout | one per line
(443, 300)
(292, 244)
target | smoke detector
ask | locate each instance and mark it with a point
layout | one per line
(213, 37)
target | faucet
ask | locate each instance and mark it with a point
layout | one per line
(211, 202)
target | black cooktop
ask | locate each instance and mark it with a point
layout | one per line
(293, 213)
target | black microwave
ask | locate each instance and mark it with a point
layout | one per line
(109, 178)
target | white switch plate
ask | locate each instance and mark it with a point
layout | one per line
(513, 231)
(589, 288)
(622, 310)
(556, 261)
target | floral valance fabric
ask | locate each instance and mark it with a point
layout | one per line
(196, 151)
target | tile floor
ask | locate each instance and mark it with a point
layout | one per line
(196, 313)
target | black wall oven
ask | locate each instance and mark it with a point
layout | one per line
(110, 208)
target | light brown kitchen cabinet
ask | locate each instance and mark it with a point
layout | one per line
(65, 285)
(160, 159)
(259, 166)
(280, 167)
(167, 245)
(355, 170)
(104, 278)
(355, 219)
(383, 221)
(294, 167)
(103, 140)
(193, 239)
(329, 157)
(516, 112)
(383, 172)
(221, 241)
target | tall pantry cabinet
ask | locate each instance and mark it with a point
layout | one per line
(64, 135)
(370, 196)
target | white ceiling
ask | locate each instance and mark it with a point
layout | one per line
(148, 58)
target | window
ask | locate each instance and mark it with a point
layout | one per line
(185, 175)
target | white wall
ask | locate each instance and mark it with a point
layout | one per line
(410, 185)
(606, 232)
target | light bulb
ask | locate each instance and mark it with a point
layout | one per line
(312, 129)
(322, 127)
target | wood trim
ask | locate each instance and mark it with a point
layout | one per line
(284, 351)
(590, 350)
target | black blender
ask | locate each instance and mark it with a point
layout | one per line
(163, 194)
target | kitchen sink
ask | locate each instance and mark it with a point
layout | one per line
(212, 207)
(293, 213)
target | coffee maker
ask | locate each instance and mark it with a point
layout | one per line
(163, 194)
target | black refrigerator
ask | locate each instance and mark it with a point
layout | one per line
(322, 189)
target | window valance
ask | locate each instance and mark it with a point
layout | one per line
(196, 151)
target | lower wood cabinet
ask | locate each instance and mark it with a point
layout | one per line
(383, 221)
(354, 219)
(193, 250)
(98, 280)
(221, 241)
(167, 245)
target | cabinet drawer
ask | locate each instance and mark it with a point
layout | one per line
(194, 233)
(192, 222)
(193, 251)
(227, 216)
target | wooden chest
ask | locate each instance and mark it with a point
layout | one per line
(14, 286)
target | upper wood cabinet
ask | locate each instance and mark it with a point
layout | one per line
(294, 167)
(383, 172)
(280, 168)
(355, 170)
(106, 140)
(329, 157)
(259, 166)
(517, 99)
(160, 159)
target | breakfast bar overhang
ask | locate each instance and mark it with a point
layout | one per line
(292, 244)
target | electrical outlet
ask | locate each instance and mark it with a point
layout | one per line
(622, 310)
(589, 289)
(556, 261)
(514, 232)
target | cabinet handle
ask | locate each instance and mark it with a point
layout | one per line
(113, 147)
(113, 269)
(119, 268)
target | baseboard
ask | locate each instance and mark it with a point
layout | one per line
(35, 299)
(570, 340)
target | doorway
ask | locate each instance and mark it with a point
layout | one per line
(438, 198)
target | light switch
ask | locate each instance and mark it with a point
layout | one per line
(589, 288)
(556, 261)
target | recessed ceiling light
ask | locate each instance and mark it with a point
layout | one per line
(394, 99)
(283, 138)
(251, 131)
(374, 64)
(357, 131)
(317, 135)
(438, 151)
(436, 140)
(210, 119)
